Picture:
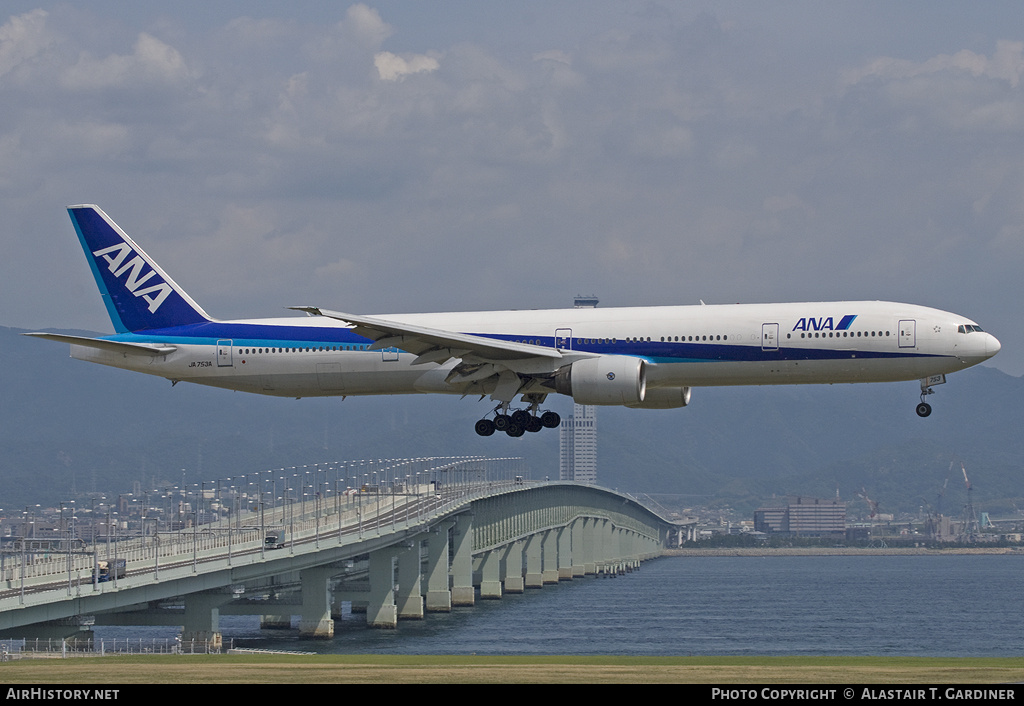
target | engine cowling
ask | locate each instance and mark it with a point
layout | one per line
(664, 398)
(607, 380)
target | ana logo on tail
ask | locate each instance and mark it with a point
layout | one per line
(117, 257)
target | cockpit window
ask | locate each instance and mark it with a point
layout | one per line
(968, 328)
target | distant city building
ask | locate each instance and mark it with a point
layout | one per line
(577, 458)
(811, 516)
(577, 452)
(771, 519)
(804, 517)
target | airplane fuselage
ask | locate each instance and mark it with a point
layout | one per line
(684, 346)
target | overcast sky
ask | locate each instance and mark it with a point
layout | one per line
(420, 156)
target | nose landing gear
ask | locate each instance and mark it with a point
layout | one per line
(923, 409)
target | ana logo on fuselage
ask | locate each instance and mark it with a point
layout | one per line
(824, 323)
(117, 258)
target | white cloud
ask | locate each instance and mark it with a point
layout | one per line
(560, 74)
(965, 92)
(21, 38)
(366, 24)
(391, 67)
(1005, 64)
(151, 61)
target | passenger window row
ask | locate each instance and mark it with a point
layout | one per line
(842, 334)
(307, 349)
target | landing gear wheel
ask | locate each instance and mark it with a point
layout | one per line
(502, 422)
(515, 430)
(533, 424)
(521, 417)
(485, 427)
(550, 420)
(924, 409)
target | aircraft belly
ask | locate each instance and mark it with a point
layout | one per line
(793, 372)
(329, 375)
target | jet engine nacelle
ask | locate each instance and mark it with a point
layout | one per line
(664, 398)
(607, 380)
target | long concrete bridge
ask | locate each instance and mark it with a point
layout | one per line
(401, 543)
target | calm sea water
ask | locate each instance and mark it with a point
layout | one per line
(916, 606)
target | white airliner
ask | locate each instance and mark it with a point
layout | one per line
(640, 357)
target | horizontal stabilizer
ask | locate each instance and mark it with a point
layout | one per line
(105, 345)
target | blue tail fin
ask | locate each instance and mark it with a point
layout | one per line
(137, 293)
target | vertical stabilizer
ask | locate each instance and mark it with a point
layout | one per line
(137, 293)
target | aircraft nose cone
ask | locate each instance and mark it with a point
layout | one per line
(992, 346)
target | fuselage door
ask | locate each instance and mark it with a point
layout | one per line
(224, 353)
(389, 354)
(563, 339)
(769, 337)
(908, 333)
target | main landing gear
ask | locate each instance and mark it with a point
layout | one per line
(517, 423)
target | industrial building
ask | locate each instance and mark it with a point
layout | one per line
(803, 517)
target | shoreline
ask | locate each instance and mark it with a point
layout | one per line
(838, 551)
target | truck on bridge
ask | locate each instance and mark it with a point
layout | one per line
(108, 570)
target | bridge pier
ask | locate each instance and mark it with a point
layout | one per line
(591, 545)
(577, 530)
(617, 551)
(565, 553)
(603, 546)
(381, 611)
(315, 620)
(533, 552)
(549, 540)
(201, 623)
(514, 568)
(439, 594)
(490, 574)
(462, 561)
(410, 596)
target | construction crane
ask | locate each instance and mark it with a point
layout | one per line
(873, 504)
(938, 500)
(970, 531)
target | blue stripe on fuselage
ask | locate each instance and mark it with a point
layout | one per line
(273, 335)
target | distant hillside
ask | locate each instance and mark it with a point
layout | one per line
(67, 424)
(743, 444)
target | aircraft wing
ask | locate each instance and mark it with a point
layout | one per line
(105, 345)
(434, 345)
